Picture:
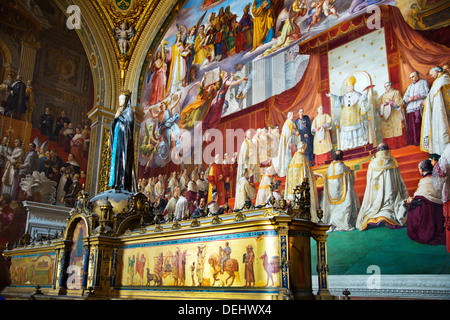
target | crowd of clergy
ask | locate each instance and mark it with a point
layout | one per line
(268, 158)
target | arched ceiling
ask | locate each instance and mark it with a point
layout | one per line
(114, 70)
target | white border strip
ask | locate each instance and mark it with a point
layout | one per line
(418, 286)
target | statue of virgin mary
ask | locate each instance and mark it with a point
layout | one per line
(122, 146)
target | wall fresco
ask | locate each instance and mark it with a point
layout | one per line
(221, 57)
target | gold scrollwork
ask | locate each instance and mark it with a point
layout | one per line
(105, 160)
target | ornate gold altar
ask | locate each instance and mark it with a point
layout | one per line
(114, 247)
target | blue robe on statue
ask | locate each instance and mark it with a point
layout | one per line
(122, 150)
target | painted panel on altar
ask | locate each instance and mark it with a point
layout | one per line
(235, 259)
(78, 250)
(364, 59)
(33, 269)
(221, 57)
(300, 254)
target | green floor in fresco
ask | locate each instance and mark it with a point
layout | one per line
(352, 252)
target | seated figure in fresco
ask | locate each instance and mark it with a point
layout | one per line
(246, 27)
(353, 126)
(213, 206)
(171, 204)
(264, 21)
(298, 171)
(385, 193)
(340, 203)
(425, 210)
(290, 32)
(182, 206)
(204, 52)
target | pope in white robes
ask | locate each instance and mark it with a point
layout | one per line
(353, 127)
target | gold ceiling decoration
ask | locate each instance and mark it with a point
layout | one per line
(124, 21)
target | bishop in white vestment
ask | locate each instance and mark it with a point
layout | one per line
(385, 193)
(340, 203)
(435, 134)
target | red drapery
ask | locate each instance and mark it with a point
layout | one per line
(416, 51)
(305, 94)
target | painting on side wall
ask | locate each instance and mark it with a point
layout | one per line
(220, 57)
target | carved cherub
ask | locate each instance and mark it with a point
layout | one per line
(124, 34)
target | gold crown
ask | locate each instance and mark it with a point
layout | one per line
(351, 81)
